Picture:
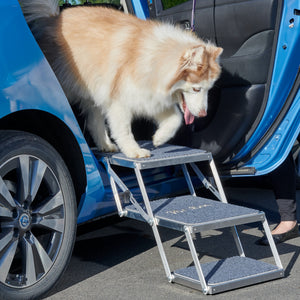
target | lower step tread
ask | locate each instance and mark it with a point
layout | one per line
(229, 273)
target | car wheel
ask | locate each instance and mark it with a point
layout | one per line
(37, 216)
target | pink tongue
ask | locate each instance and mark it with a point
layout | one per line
(188, 117)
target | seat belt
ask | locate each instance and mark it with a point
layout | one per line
(193, 16)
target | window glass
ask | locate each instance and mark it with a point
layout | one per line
(171, 3)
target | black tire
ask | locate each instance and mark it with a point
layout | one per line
(37, 216)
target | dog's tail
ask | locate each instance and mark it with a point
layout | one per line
(37, 9)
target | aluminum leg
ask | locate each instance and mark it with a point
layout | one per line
(272, 244)
(153, 225)
(196, 259)
(188, 179)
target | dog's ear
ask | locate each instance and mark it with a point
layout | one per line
(218, 51)
(193, 57)
(192, 60)
(215, 51)
(214, 54)
(194, 54)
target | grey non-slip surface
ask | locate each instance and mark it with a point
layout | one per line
(193, 211)
(161, 156)
(229, 269)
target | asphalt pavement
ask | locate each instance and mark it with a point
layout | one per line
(121, 261)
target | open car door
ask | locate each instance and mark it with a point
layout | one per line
(257, 93)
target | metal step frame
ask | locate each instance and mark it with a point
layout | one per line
(191, 214)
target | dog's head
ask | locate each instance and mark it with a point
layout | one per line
(198, 70)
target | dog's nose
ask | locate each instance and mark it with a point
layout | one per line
(202, 113)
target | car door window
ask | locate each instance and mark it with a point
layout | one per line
(171, 3)
(179, 12)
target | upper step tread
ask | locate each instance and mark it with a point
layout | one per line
(161, 156)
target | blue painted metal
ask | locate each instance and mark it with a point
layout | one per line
(141, 8)
(27, 82)
(279, 145)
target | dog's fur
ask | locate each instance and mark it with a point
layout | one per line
(119, 67)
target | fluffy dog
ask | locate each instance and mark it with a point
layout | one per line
(118, 67)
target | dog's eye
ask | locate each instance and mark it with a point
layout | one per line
(196, 90)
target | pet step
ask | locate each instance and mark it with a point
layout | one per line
(165, 155)
(227, 274)
(191, 214)
(197, 213)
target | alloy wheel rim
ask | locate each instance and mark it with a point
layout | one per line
(32, 220)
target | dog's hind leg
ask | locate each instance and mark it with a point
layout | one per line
(98, 130)
(119, 120)
(168, 123)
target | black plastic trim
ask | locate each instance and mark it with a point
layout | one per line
(238, 172)
(130, 6)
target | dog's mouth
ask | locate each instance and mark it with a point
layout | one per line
(189, 118)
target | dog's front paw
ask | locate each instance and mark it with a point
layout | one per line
(110, 148)
(158, 140)
(138, 153)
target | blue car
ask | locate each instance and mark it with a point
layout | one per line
(51, 176)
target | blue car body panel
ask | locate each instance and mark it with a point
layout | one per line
(27, 82)
(141, 9)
